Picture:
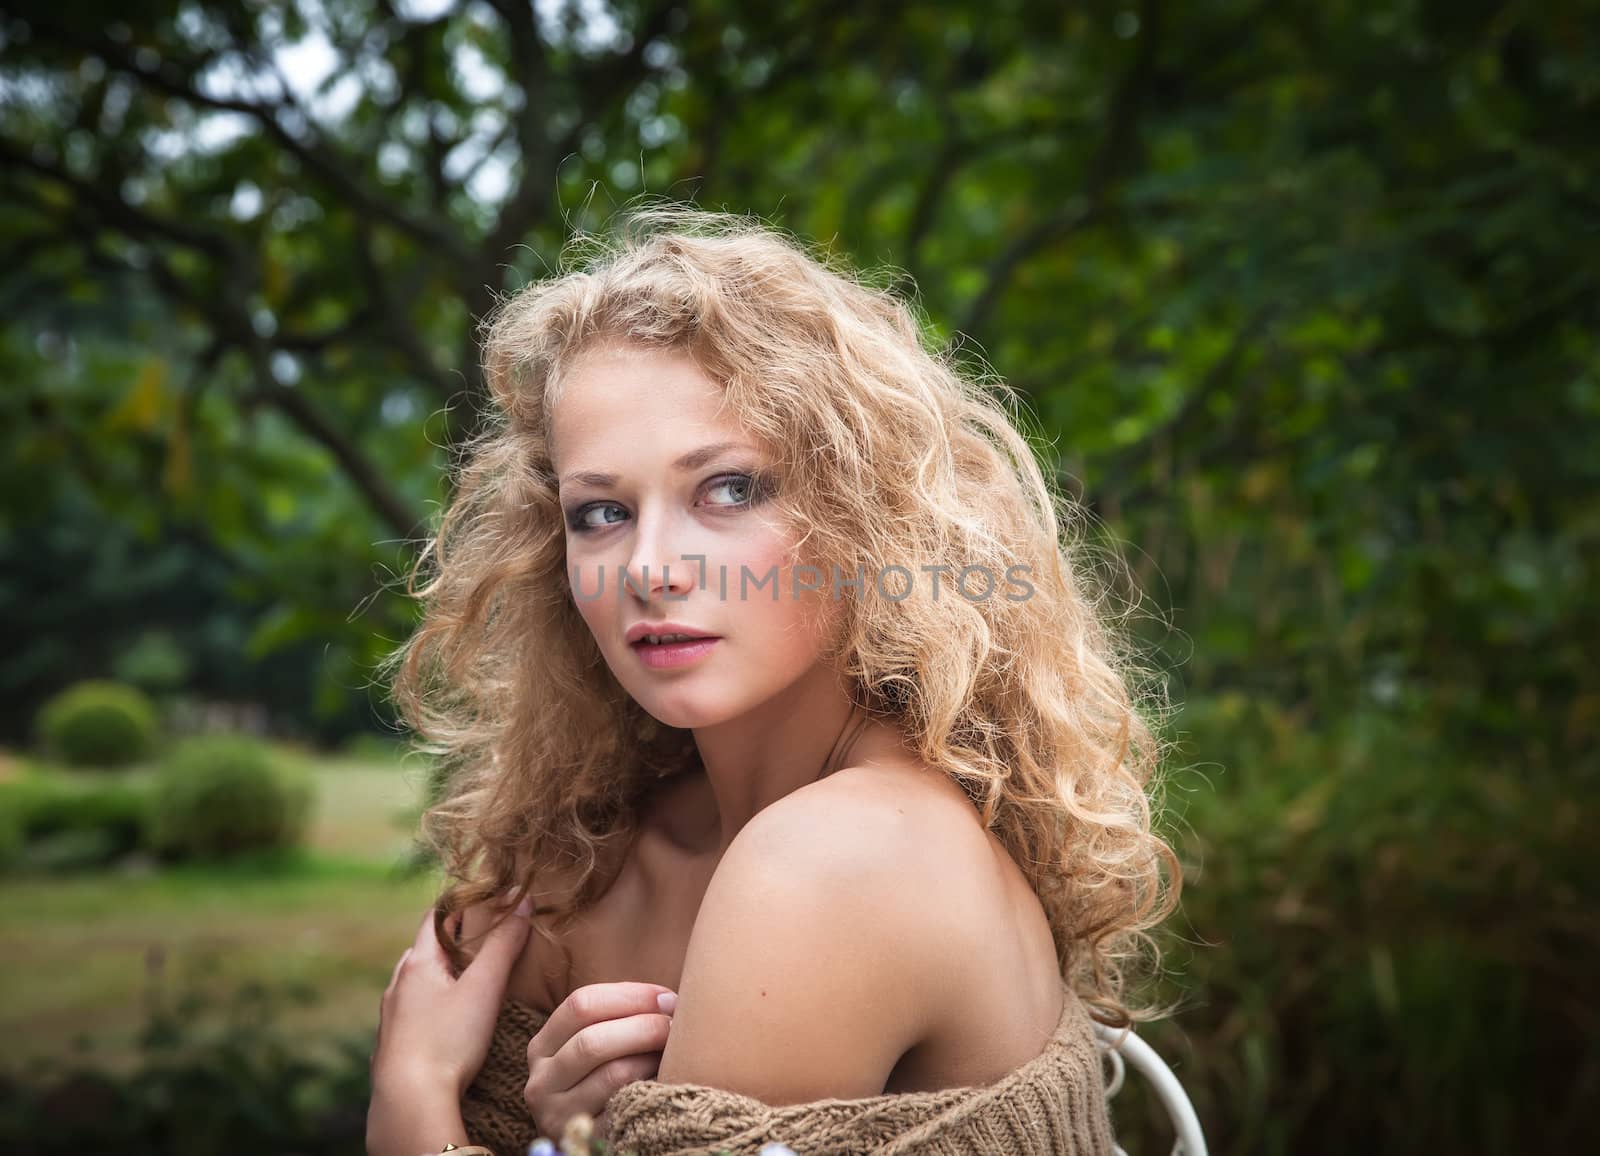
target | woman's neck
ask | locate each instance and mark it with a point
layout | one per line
(787, 743)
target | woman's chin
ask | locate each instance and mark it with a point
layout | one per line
(688, 716)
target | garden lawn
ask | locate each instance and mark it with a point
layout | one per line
(84, 957)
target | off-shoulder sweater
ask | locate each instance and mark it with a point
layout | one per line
(1053, 1105)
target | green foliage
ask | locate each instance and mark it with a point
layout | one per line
(1304, 300)
(99, 723)
(63, 820)
(250, 1089)
(154, 661)
(133, 589)
(221, 796)
(11, 839)
(1373, 923)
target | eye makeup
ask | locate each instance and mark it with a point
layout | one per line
(757, 484)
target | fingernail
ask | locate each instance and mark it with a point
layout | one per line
(524, 905)
(666, 1001)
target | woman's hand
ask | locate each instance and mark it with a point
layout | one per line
(434, 1029)
(602, 1036)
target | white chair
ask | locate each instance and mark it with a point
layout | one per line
(1121, 1045)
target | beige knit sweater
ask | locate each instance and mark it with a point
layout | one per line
(1053, 1105)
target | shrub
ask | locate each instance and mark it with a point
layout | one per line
(46, 804)
(60, 821)
(1378, 920)
(219, 795)
(10, 838)
(251, 1088)
(99, 724)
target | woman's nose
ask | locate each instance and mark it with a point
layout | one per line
(654, 571)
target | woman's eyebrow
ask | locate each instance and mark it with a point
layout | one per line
(692, 460)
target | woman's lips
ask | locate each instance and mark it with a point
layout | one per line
(662, 655)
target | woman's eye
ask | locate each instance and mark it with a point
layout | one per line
(740, 490)
(583, 520)
(742, 485)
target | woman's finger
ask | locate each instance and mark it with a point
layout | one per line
(593, 1003)
(599, 1044)
(394, 976)
(502, 947)
(593, 1092)
(429, 950)
(425, 937)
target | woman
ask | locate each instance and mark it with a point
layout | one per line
(760, 661)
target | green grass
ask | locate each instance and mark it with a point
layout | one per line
(362, 806)
(83, 956)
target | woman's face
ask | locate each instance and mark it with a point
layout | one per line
(652, 479)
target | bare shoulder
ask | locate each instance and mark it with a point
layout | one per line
(886, 834)
(822, 951)
(988, 921)
(902, 817)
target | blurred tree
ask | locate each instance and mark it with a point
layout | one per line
(1305, 295)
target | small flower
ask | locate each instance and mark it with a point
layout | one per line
(575, 1137)
(776, 1149)
(541, 1147)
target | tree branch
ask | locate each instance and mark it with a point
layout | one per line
(170, 79)
(232, 329)
(295, 405)
(531, 70)
(390, 316)
(1218, 377)
(115, 210)
(606, 81)
(1109, 164)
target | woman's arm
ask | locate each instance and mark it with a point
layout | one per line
(434, 1030)
(413, 1123)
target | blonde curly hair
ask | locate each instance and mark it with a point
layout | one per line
(889, 455)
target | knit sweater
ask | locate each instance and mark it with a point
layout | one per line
(1053, 1105)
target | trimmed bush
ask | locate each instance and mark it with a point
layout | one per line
(62, 821)
(219, 796)
(99, 724)
(47, 804)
